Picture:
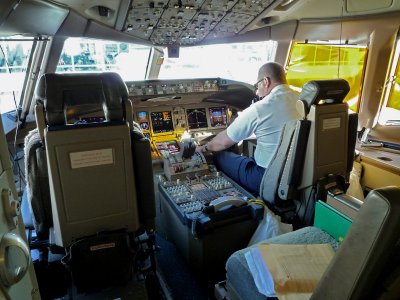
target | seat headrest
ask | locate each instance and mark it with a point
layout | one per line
(332, 91)
(58, 90)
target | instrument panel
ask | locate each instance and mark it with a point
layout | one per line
(164, 125)
(165, 109)
(159, 121)
(166, 120)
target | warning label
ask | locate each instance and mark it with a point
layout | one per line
(91, 158)
(331, 123)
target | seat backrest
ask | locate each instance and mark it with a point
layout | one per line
(142, 160)
(92, 181)
(327, 144)
(330, 147)
(37, 185)
(366, 266)
(282, 175)
(318, 142)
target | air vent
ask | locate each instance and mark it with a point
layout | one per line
(268, 21)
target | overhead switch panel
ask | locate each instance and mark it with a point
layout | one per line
(192, 21)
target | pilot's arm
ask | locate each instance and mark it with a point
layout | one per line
(241, 128)
(220, 142)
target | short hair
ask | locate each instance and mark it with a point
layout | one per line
(273, 70)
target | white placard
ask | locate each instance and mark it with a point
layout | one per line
(91, 158)
(331, 123)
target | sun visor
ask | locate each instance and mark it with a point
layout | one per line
(33, 17)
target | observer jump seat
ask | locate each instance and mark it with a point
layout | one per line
(100, 174)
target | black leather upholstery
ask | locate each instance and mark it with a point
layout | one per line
(333, 89)
(72, 89)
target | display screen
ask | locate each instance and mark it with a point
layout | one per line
(197, 118)
(142, 116)
(143, 120)
(171, 146)
(218, 116)
(161, 121)
(198, 186)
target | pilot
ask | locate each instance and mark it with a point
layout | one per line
(265, 119)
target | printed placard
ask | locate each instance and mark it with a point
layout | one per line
(331, 123)
(91, 158)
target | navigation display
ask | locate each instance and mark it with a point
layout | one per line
(197, 118)
(218, 116)
(161, 121)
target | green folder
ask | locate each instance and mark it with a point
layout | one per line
(331, 220)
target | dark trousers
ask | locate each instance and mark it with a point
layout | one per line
(241, 169)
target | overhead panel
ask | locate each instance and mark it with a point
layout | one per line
(190, 22)
(171, 24)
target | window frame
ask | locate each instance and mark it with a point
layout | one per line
(390, 83)
(340, 61)
(19, 111)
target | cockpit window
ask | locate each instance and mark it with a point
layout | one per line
(314, 61)
(390, 113)
(239, 61)
(90, 55)
(14, 59)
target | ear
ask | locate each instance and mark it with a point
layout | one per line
(268, 81)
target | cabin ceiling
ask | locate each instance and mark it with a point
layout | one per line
(191, 22)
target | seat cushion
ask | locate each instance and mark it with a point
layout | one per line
(238, 274)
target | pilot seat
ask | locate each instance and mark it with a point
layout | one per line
(316, 149)
(100, 177)
(322, 174)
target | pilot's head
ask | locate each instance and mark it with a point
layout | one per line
(270, 75)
